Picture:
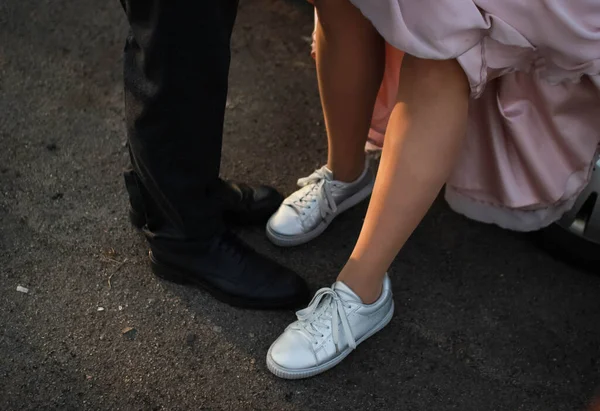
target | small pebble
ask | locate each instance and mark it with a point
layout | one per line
(190, 339)
(129, 332)
(217, 329)
(22, 289)
(100, 308)
(120, 308)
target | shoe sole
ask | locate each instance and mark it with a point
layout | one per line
(291, 241)
(182, 277)
(288, 374)
(138, 221)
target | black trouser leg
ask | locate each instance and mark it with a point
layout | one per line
(176, 75)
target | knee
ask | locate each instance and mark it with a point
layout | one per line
(321, 4)
(434, 74)
(431, 72)
(327, 7)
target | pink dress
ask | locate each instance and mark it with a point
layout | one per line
(534, 122)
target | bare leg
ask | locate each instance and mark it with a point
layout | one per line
(350, 64)
(422, 142)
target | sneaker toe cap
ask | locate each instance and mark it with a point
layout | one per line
(286, 222)
(293, 351)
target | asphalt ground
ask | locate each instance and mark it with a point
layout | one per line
(485, 320)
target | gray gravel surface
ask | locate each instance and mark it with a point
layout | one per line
(485, 320)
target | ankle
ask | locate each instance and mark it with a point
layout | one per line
(347, 173)
(368, 289)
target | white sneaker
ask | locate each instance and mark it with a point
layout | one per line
(305, 214)
(334, 323)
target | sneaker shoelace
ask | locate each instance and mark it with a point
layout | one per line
(316, 183)
(324, 311)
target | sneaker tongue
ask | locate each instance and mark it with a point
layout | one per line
(346, 292)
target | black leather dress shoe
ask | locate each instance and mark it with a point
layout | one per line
(233, 273)
(242, 205)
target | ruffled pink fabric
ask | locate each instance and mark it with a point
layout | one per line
(534, 122)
